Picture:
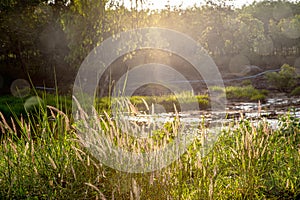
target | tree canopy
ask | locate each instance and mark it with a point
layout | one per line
(41, 36)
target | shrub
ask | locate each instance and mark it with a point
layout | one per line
(285, 79)
(296, 91)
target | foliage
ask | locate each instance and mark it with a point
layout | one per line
(31, 38)
(296, 91)
(285, 79)
(38, 35)
(85, 25)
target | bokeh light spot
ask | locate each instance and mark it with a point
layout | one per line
(31, 102)
(20, 88)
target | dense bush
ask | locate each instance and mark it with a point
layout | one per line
(284, 80)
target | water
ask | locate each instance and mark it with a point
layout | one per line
(256, 112)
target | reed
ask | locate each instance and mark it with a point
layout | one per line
(49, 161)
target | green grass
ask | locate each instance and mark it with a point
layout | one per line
(10, 105)
(144, 103)
(243, 93)
(168, 101)
(47, 161)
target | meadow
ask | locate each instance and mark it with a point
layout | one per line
(42, 157)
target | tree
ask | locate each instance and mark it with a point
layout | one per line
(89, 22)
(20, 27)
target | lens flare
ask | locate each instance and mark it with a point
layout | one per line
(102, 141)
(20, 88)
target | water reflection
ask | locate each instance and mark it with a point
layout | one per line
(269, 111)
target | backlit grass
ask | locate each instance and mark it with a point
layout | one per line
(47, 161)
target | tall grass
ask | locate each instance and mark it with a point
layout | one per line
(47, 161)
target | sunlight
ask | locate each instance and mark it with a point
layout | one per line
(161, 4)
